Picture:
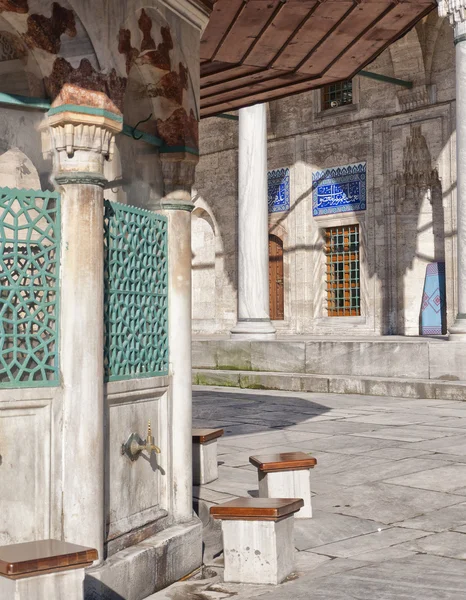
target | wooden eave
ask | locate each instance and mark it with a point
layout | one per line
(260, 50)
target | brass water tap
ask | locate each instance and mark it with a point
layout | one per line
(134, 445)
(150, 441)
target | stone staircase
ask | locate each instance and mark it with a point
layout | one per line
(387, 366)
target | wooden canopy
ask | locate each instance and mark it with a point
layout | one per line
(259, 50)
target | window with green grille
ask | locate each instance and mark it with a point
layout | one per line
(337, 94)
(29, 287)
(343, 271)
(136, 293)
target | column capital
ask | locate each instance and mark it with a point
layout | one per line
(81, 126)
(455, 10)
(178, 169)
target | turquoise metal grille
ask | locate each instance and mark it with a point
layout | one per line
(29, 287)
(136, 297)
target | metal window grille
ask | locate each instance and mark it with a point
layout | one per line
(29, 287)
(337, 94)
(136, 293)
(343, 271)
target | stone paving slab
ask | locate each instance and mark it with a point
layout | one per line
(448, 478)
(451, 544)
(440, 520)
(389, 493)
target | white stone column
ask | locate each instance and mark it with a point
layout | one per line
(82, 127)
(456, 11)
(253, 230)
(178, 175)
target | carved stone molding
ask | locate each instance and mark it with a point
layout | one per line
(418, 174)
(178, 178)
(68, 138)
(81, 129)
(455, 10)
(414, 98)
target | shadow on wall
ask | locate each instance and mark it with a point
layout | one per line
(96, 590)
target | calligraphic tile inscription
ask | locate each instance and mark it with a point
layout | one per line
(338, 190)
(279, 190)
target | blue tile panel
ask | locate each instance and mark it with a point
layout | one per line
(433, 311)
(339, 190)
(279, 190)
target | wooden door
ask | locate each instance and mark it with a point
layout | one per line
(276, 287)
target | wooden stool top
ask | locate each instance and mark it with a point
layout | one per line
(256, 509)
(202, 436)
(284, 461)
(30, 558)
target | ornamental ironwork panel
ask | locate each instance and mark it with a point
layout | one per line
(136, 293)
(343, 271)
(29, 287)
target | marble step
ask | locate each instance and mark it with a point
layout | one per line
(336, 384)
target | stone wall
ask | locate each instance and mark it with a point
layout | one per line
(144, 63)
(406, 137)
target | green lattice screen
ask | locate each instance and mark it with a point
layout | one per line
(29, 287)
(136, 298)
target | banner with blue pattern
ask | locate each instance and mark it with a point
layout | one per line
(339, 190)
(279, 190)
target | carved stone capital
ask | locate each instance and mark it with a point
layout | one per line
(81, 129)
(455, 10)
(178, 178)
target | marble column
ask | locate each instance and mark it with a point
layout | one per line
(456, 11)
(253, 231)
(82, 125)
(178, 176)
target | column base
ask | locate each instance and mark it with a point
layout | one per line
(457, 332)
(253, 329)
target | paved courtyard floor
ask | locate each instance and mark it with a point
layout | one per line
(389, 493)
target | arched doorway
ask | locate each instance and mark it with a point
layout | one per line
(276, 282)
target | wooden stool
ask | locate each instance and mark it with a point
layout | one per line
(286, 475)
(43, 570)
(205, 468)
(257, 538)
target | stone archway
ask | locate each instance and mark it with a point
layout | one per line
(203, 271)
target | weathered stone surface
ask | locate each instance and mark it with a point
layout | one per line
(258, 552)
(67, 584)
(379, 359)
(372, 386)
(139, 571)
(276, 356)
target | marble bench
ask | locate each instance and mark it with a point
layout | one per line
(257, 538)
(286, 475)
(205, 468)
(44, 570)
